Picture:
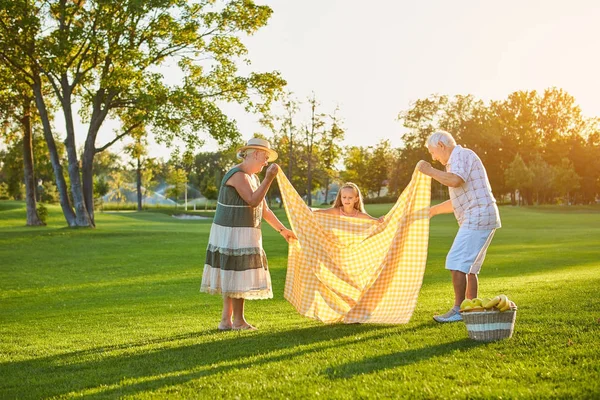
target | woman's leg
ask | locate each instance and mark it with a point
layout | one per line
(227, 312)
(239, 321)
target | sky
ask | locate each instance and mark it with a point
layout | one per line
(373, 59)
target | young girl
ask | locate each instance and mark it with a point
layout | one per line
(349, 203)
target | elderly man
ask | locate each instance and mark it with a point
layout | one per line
(475, 208)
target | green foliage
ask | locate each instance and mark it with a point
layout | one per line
(177, 179)
(542, 128)
(4, 193)
(48, 193)
(517, 175)
(368, 167)
(565, 178)
(101, 186)
(109, 56)
(42, 212)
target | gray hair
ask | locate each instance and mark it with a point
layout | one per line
(440, 136)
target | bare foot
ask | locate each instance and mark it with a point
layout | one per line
(244, 327)
(224, 326)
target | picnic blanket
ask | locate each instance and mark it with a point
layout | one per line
(351, 270)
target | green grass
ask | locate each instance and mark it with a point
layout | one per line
(116, 312)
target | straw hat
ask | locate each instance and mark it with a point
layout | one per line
(260, 144)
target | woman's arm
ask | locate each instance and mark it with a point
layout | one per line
(241, 183)
(272, 219)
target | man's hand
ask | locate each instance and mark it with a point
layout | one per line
(425, 167)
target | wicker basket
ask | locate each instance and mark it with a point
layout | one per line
(490, 325)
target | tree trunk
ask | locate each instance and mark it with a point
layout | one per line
(87, 178)
(309, 181)
(326, 190)
(33, 218)
(139, 184)
(83, 217)
(61, 184)
(290, 154)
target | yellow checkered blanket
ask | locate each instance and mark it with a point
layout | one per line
(350, 270)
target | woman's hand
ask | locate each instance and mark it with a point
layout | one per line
(272, 171)
(381, 219)
(288, 235)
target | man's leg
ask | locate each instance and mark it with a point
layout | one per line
(459, 281)
(472, 286)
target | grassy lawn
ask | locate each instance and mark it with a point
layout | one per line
(116, 312)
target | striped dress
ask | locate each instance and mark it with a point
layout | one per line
(236, 264)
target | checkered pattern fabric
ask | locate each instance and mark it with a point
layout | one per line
(351, 270)
(473, 202)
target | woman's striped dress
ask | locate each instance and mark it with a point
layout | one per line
(236, 264)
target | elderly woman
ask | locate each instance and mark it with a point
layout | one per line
(236, 264)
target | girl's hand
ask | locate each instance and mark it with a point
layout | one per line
(288, 235)
(381, 219)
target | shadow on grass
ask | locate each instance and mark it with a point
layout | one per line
(398, 359)
(98, 373)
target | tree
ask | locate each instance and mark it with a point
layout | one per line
(16, 109)
(378, 167)
(177, 180)
(330, 149)
(107, 56)
(566, 179)
(138, 150)
(116, 183)
(542, 176)
(517, 175)
(312, 135)
(356, 162)
(209, 169)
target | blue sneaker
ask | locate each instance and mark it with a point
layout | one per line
(450, 316)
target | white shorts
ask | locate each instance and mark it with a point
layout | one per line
(468, 250)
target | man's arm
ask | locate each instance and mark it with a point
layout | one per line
(445, 178)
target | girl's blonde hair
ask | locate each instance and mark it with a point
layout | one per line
(359, 205)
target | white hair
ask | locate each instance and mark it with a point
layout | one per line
(245, 153)
(440, 136)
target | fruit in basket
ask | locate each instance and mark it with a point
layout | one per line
(476, 302)
(504, 303)
(466, 303)
(492, 303)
